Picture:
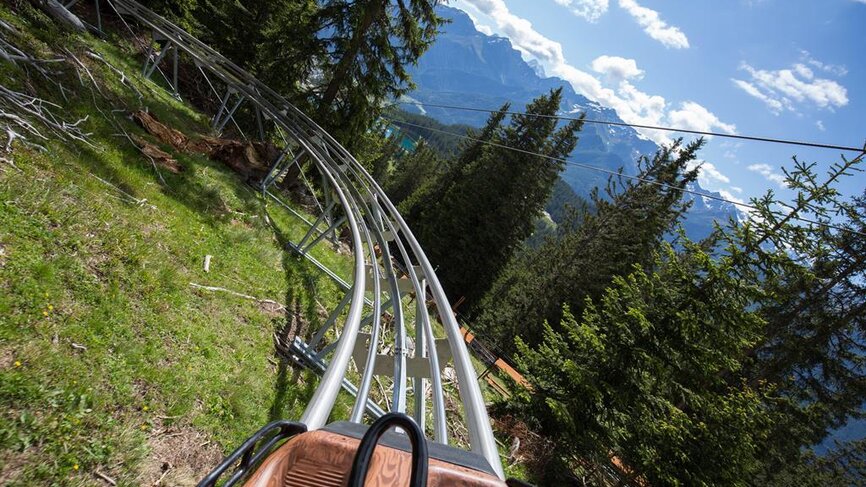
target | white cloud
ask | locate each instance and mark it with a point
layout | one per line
(709, 175)
(769, 173)
(591, 10)
(775, 105)
(523, 36)
(785, 88)
(732, 197)
(630, 103)
(819, 123)
(834, 69)
(484, 29)
(803, 71)
(692, 116)
(616, 67)
(654, 26)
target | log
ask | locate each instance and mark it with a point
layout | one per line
(57, 11)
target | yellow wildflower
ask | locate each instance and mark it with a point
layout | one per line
(145, 408)
(18, 363)
(50, 307)
(75, 467)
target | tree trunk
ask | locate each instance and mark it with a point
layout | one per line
(372, 13)
(56, 10)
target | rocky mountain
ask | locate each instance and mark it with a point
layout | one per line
(467, 68)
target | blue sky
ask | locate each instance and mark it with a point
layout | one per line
(777, 68)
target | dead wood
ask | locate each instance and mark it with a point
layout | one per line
(249, 159)
(157, 155)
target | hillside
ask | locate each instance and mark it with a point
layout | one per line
(470, 69)
(113, 362)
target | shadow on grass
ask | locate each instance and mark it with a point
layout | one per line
(301, 317)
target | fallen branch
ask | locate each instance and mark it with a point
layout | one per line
(61, 14)
(157, 155)
(383, 392)
(10, 162)
(106, 478)
(139, 202)
(240, 295)
(20, 108)
(87, 71)
(123, 78)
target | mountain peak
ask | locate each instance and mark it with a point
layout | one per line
(468, 68)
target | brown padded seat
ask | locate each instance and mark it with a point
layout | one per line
(324, 458)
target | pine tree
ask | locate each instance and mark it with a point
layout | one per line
(412, 170)
(624, 230)
(435, 188)
(813, 302)
(369, 45)
(722, 362)
(484, 211)
(275, 40)
(639, 376)
(844, 465)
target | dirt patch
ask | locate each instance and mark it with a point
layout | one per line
(7, 358)
(12, 463)
(249, 159)
(525, 446)
(296, 325)
(272, 308)
(179, 455)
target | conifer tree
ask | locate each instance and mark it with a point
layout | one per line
(624, 230)
(485, 210)
(639, 376)
(369, 45)
(722, 362)
(411, 170)
(435, 188)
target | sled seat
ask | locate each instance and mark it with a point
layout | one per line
(323, 458)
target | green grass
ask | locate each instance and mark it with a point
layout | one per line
(109, 360)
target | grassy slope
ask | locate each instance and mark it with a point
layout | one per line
(170, 375)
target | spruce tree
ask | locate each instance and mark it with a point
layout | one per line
(411, 170)
(722, 362)
(369, 44)
(485, 211)
(639, 376)
(626, 227)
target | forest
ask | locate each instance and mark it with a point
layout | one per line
(722, 361)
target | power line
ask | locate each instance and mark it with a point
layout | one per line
(652, 127)
(618, 174)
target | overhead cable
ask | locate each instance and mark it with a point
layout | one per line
(619, 174)
(650, 127)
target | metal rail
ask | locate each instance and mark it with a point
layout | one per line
(375, 229)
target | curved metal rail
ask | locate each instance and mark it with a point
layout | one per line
(373, 223)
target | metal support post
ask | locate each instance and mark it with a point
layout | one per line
(418, 385)
(229, 115)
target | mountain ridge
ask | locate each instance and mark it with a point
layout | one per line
(466, 67)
